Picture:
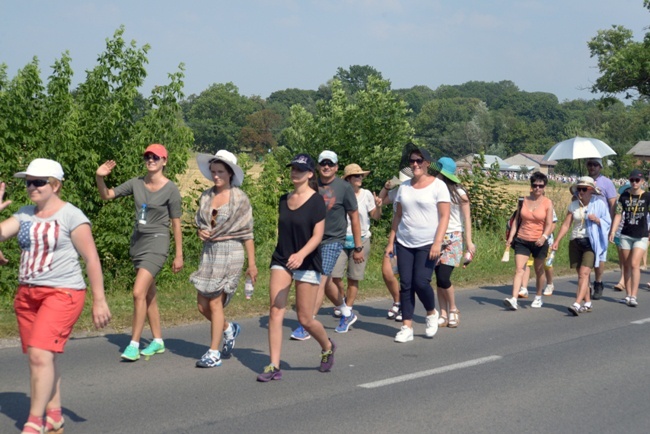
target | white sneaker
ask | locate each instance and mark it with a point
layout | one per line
(523, 293)
(405, 334)
(537, 303)
(549, 289)
(625, 300)
(510, 303)
(432, 325)
(632, 302)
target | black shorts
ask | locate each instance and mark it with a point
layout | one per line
(527, 248)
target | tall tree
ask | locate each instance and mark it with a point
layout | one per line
(356, 78)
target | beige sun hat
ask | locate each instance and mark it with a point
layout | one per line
(354, 169)
(585, 181)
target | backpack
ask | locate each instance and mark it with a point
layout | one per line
(515, 216)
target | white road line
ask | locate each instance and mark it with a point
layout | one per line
(442, 369)
(641, 321)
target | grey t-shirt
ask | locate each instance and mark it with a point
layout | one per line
(162, 205)
(339, 200)
(48, 257)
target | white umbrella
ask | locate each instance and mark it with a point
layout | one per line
(579, 148)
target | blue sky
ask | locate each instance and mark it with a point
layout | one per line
(264, 45)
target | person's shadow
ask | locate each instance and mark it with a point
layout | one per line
(15, 405)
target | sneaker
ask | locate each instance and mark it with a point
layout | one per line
(598, 291)
(432, 325)
(229, 344)
(585, 308)
(405, 334)
(575, 309)
(153, 348)
(393, 311)
(398, 317)
(632, 302)
(327, 358)
(549, 289)
(300, 334)
(510, 303)
(270, 373)
(209, 360)
(131, 353)
(625, 300)
(523, 293)
(337, 313)
(537, 303)
(345, 323)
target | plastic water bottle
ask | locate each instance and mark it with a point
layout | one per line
(142, 216)
(549, 260)
(248, 288)
(468, 258)
(506, 255)
(393, 264)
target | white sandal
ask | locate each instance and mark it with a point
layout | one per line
(454, 318)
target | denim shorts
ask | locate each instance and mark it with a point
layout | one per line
(629, 243)
(307, 276)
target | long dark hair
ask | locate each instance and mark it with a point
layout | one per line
(454, 188)
(313, 181)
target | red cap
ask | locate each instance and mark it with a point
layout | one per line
(156, 149)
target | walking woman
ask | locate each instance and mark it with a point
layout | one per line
(416, 236)
(460, 223)
(533, 227)
(633, 209)
(588, 241)
(157, 201)
(225, 225)
(297, 258)
(52, 234)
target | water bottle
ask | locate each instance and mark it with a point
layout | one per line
(506, 255)
(142, 216)
(393, 264)
(468, 258)
(549, 260)
(248, 288)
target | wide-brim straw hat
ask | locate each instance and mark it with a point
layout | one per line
(354, 169)
(585, 181)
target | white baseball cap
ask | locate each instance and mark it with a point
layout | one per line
(42, 167)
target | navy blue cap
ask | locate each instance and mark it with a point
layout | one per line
(302, 162)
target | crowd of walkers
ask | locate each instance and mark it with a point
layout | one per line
(323, 237)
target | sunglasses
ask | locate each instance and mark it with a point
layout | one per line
(327, 163)
(635, 180)
(36, 182)
(540, 186)
(154, 157)
(357, 175)
(593, 165)
(213, 220)
(419, 161)
(582, 189)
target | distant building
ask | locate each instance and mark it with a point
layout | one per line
(641, 151)
(533, 162)
(467, 161)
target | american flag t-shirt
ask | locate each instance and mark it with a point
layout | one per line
(37, 241)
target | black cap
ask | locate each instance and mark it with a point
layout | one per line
(636, 173)
(302, 162)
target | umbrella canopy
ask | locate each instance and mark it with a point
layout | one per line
(579, 148)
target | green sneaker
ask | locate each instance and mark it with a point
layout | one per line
(153, 348)
(131, 353)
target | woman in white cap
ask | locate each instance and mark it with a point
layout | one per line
(389, 262)
(224, 221)
(460, 222)
(588, 243)
(157, 203)
(52, 234)
(369, 206)
(633, 209)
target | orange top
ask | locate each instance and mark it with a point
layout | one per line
(533, 221)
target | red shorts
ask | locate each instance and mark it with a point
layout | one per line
(46, 315)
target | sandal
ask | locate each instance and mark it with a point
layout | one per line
(454, 318)
(442, 321)
(619, 287)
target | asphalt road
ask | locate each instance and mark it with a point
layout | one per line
(533, 370)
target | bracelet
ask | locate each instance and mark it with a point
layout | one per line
(545, 236)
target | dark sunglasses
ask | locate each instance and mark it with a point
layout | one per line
(540, 186)
(147, 157)
(635, 180)
(213, 220)
(582, 189)
(357, 175)
(327, 163)
(36, 182)
(593, 165)
(416, 160)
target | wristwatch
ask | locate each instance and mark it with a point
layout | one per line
(358, 249)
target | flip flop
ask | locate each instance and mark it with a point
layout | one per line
(618, 287)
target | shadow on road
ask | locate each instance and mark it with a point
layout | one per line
(15, 405)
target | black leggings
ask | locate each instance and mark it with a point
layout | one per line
(415, 271)
(443, 276)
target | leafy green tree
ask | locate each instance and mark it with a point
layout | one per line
(258, 134)
(357, 77)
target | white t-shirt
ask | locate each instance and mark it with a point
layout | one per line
(419, 221)
(579, 215)
(365, 203)
(456, 216)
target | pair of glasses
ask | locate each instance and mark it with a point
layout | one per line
(36, 182)
(213, 221)
(419, 161)
(153, 157)
(635, 180)
(593, 165)
(358, 175)
(538, 186)
(582, 189)
(327, 163)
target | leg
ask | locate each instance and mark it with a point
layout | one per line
(44, 381)
(143, 282)
(279, 286)
(305, 296)
(582, 293)
(405, 263)
(627, 271)
(351, 294)
(539, 276)
(217, 321)
(621, 281)
(635, 259)
(389, 278)
(520, 268)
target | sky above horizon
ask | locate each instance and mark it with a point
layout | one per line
(263, 46)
